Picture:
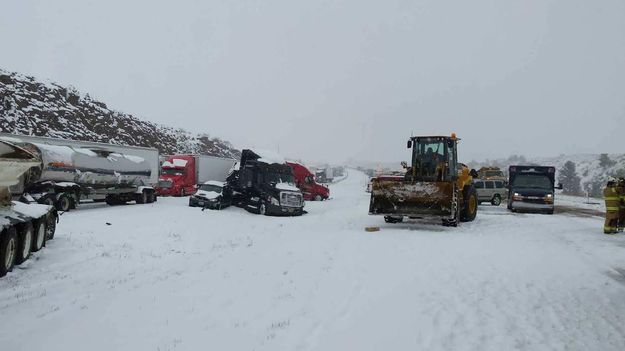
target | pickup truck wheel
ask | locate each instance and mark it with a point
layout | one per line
(469, 204)
(496, 201)
(64, 203)
(8, 250)
(39, 239)
(25, 243)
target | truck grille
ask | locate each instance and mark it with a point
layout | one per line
(290, 199)
(165, 184)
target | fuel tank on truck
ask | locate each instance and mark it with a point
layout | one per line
(90, 166)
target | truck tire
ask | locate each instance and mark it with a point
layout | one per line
(151, 197)
(496, 201)
(46, 200)
(469, 204)
(50, 226)
(64, 203)
(318, 197)
(141, 198)
(39, 239)
(8, 250)
(262, 209)
(26, 236)
(393, 219)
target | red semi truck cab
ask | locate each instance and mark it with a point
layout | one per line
(305, 181)
(177, 176)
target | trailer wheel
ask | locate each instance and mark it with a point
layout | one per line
(141, 198)
(151, 197)
(64, 204)
(50, 226)
(25, 242)
(469, 204)
(40, 236)
(8, 250)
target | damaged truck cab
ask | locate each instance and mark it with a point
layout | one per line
(265, 185)
(434, 186)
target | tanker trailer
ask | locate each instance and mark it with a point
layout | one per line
(24, 228)
(73, 171)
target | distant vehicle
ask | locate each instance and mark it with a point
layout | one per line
(320, 176)
(264, 184)
(212, 194)
(435, 186)
(491, 173)
(532, 189)
(70, 171)
(305, 181)
(24, 228)
(493, 191)
(182, 174)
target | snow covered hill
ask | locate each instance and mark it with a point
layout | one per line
(32, 107)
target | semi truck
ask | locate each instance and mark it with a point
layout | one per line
(24, 228)
(264, 184)
(532, 189)
(182, 174)
(305, 181)
(70, 171)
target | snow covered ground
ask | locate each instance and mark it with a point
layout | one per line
(168, 277)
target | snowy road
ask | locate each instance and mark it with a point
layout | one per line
(168, 277)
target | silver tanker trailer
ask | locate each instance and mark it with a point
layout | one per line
(71, 171)
(24, 228)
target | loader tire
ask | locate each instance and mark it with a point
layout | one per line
(8, 250)
(469, 204)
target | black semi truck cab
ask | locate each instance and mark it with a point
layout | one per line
(531, 189)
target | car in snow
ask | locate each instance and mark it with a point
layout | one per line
(212, 194)
(493, 191)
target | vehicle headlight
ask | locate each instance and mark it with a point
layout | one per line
(274, 201)
(549, 198)
(517, 196)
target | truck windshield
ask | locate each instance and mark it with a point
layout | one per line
(211, 187)
(279, 178)
(537, 181)
(172, 171)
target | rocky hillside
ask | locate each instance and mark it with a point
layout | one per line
(32, 107)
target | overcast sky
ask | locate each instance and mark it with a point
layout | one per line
(334, 80)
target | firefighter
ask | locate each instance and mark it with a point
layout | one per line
(612, 201)
(621, 213)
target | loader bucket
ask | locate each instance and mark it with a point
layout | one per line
(413, 199)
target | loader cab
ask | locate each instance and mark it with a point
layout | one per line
(434, 159)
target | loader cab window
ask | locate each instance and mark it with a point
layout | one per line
(429, 155)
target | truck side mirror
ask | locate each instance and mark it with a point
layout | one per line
(409, 144)
(404, 164)
(559, 187)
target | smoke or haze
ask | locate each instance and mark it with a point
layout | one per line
(334, 80)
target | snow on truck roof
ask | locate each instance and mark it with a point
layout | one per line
(268, 156)
(176, 162)
(215, 183)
